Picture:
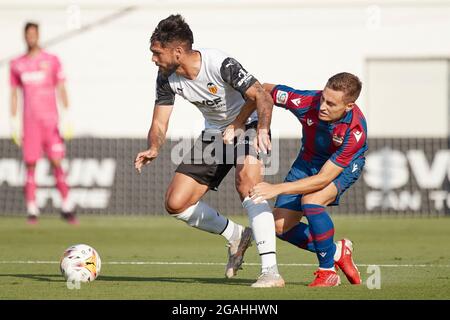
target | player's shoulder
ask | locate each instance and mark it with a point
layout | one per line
(49, 56)
(216, 59)
(166, 81)
(163, 78)
(18, 59)
(358, 119)
(357, 127)
(213, 53)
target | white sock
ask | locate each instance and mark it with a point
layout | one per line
(263, 226)
(203, 217)
(337, 254)
(232, 231)
(32, 209)
(329, 269)
(67, 205)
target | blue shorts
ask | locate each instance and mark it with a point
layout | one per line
(302, 169)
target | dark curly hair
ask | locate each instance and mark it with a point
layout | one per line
(173, 28)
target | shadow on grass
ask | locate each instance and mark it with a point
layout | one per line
(192, 280)
(37, 277)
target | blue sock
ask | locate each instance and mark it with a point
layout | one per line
(299, 236)
(322, 231)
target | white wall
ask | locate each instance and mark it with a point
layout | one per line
(408, 97)
(299, 43)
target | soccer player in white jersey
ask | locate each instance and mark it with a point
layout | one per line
(219, 86)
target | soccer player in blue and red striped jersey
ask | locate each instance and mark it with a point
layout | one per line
(329, 162)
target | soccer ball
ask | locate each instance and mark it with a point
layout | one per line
(80, 263)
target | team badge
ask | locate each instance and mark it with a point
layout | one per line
(337, 140)
(212, 88)
(44, 65)
(282, 97)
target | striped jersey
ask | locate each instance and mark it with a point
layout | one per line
(341, 142)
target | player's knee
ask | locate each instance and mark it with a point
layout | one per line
(30, 165)
(55, 163)
(175, 205)
(281, 226)
(243, 190)
(243, 184)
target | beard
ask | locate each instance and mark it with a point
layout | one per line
(167, 71)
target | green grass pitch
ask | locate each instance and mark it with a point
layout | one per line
(174, 261)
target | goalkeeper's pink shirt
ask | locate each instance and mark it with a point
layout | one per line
(38, 77)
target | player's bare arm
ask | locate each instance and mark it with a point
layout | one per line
(264, 106)
(264, 190)
(239, 123)
(15, 121)
(62, 92)
(156, 136)
(14, 101)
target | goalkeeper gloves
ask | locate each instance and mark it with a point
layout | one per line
(65, 124)
(16, 133)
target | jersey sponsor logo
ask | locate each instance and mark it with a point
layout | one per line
(180, 90)
(338, 140)
(296, 101)
(209, 103)
(282, 97)
(33, 76)
(309, 122)
(355, 167)
(358, 135)
(212, 88)
(245, 77)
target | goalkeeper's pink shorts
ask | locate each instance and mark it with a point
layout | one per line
(41, 136)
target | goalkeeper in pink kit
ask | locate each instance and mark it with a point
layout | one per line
(39, 76)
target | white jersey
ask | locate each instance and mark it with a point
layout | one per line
(217, 91)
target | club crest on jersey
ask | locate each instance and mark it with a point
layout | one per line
(337, 140)
(212, 88)
(282, 97)
(44, 65)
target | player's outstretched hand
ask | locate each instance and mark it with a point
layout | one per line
(233, 130)
(143, 158)
(262, 141)
(263, 191)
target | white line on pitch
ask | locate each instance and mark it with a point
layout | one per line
(221, 264)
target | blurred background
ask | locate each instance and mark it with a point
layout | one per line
(400, 49)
